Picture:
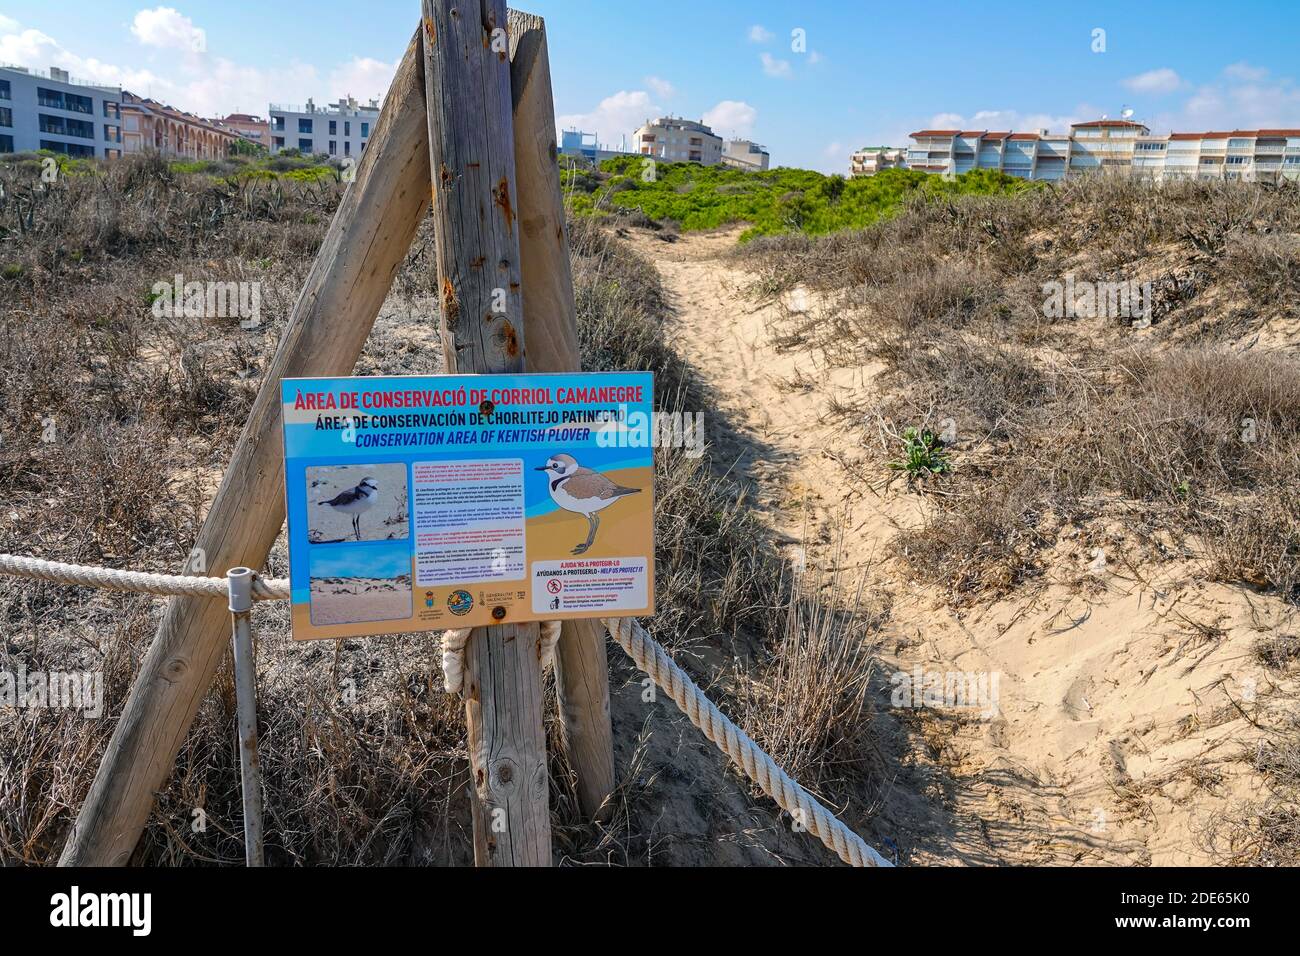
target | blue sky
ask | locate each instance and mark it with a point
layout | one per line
(361, 560)
(868, 73)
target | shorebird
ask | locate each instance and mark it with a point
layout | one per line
(355, 502)
(582, 491)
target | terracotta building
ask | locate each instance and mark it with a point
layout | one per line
(148, 124)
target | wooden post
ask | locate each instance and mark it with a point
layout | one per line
(551, 330)
(471, 156)
(366, 244)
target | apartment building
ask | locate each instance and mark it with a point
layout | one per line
(676, 140)
(870, 160)
(150, 125)
(339, 130)
(252, 128)
(52, 110)
(580, 145)
(1119, 147)
(745, 154)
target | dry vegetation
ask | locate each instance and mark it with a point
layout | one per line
(1177, 439)
(362, 752)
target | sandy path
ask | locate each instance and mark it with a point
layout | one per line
(1120, 730)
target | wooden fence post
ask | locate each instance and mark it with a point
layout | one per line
(471, 156)
(367, 242)
(551, 330)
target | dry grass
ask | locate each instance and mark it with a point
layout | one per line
(362, 752)
(1059, 418)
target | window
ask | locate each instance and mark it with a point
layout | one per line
(4, 93)
(6, 144)
(334, 128)
(277, 142)
(112, 110)
(112, 153)
(304, 125)
(334, 146)
(365, 130)
(6, 116)
(1237, 160)
(62, 126)
(278, 124)
(112, 133)
(68, 149)
(347, 148)
(55, 100)
(305, 145)
(347, 127)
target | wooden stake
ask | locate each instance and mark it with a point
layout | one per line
(366, 244)
(471, 156)
(551, 330)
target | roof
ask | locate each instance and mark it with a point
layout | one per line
(243, 118)
(144, 104)
(1109, 123)
(1002, 135)
(1023, 136)
(935, 132)
(1186, 135)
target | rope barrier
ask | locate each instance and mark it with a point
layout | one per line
(264, 589)
(647, 653)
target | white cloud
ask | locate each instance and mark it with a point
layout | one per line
(168, 29)
(209, 86)
(1245, 72)
(662, 88)
(760, 34)
(7, 24)
(363, 78)
(774, 67)
(834, 150)
(1004, 120)
(1246, 98)
(732, 118)
(814, 57)
(1163, 80)
(613, 116)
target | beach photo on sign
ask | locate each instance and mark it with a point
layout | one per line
(357, 503)
(359, 585)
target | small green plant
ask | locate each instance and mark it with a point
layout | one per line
(923, 455)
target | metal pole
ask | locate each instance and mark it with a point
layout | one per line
(240, 584)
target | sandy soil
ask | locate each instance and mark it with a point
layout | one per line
(1127, 694)
(360, 600)
(386, 520)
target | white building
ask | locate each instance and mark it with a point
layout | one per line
(340, 130)
(53, 111)
(870, 160)
(675, 140)
(746, 155)
(1116, 147)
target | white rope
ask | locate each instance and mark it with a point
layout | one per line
(264, 589)
(453, 653)
(648, 654)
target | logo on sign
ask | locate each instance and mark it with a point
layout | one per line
(460, 602)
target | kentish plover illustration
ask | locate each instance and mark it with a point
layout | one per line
(355, 502)
(582, 491)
